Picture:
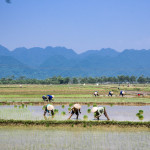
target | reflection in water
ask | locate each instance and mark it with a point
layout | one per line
(49, 117)
(74, 138)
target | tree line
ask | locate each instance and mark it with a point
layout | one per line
(76, 80)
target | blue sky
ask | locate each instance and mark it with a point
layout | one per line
(77, 24)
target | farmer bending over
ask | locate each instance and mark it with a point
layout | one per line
(122, 93)
(75, 109)
(49, 108)
(50, 97)
(44, 98)
(110, 93)
(96, 93)
(99, 111)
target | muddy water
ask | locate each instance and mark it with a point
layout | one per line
(73, 138)
(117, 113)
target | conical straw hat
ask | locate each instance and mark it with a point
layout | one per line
(123, 92)
(77, 106)
(50, 107)
(94, 109)
(53, 96)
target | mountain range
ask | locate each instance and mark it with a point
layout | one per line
(46, 62)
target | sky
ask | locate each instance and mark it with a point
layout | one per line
(80, 25)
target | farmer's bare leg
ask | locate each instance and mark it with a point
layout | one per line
(77, 113)
(105, 113)
(44, 113)
(77, 116)
(52, 112)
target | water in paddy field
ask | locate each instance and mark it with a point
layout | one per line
(73, 138)
(117, 113)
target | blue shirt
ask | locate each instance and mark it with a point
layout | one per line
(49, 97)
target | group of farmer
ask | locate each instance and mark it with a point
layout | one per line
(122, 93)
(76, 109)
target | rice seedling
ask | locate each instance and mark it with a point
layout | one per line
(88, 105)
(141, 117)
(63, 106)
(111, 104)
(71, 104)
(22, 105)
(85, 117)
(94, 105)
(138, 114)
(69, 108)
(15, 106)
(141, 111)
(63, 113)
(43, 107)
(56, 110)
(84, 125)
(89, 110)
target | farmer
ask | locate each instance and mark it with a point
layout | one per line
(44, 98)
(99, 111)
(50, 97)
(110, 93)
(96, 93)
(49, 108)
(75, 109)
(122, 93)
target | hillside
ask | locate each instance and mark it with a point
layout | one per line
(46, 62)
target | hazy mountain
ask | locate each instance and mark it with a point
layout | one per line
(34, 57)
(53, 61)
(4, 51)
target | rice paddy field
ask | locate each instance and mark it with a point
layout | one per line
(74, 138)
(23, 126)
(74, 93)
(115, 113)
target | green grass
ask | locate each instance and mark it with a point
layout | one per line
(71, 93)
(72, 122)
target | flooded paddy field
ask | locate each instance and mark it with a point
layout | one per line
(60, 138)
(30, 112)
